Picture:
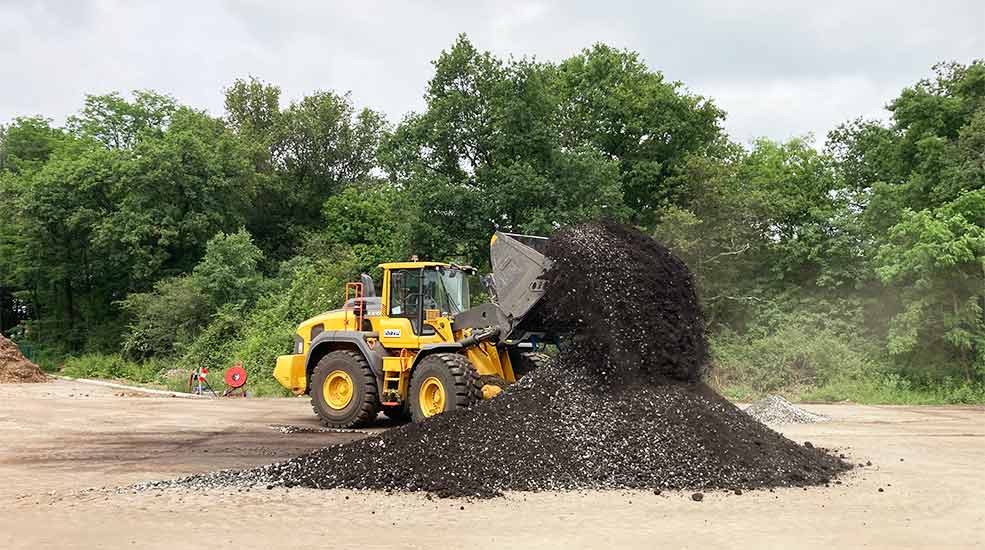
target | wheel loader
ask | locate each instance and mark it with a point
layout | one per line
(419, 349)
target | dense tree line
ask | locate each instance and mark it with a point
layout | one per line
(156, 230)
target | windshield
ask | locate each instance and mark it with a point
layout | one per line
(451, 290)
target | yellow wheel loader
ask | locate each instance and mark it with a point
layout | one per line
(419, 348)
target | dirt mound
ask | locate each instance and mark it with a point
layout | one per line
(774, 409)
(621, 406)
(14, 367)
(557, 431)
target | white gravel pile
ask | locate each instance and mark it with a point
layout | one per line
(774, 409)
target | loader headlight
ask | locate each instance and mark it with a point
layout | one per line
(298, 345)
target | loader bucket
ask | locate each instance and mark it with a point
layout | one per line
(518, 266)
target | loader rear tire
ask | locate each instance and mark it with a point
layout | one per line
(443, 382)
(343, 390)
(523, 363)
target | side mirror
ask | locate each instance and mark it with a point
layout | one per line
(489, 284)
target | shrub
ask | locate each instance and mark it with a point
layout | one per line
(788, 360)
(112, 366)
(792, 341)
(164, 319)
(257, 336)
(228, 272)
(894, 388)
(170, 317)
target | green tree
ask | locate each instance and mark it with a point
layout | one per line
(181, 187)
(917, 193)
(253, 109)
(27, 143)
(753, 224)
(169, 318)
(491, 152)
(60, 260)
(325, 143)
(227, 274)
(937, 258)
(253, 113)
(611, 100)
(130, 197)
(164, 320)
(119, 123)
(303, 155)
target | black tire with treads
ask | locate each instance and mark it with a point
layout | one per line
(458, 378)
(365, 402)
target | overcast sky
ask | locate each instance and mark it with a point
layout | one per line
(779, 68)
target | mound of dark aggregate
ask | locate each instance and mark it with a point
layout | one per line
(621, 406)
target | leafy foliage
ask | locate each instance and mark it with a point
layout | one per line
(114, 367)
(170, 317)
(164, 319)
(303, 155)
(228, 272)
(527, 147)
(256, 337)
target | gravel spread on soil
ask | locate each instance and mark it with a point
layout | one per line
(292, 429)
(774, 409)
(15, 368)
(620, 407)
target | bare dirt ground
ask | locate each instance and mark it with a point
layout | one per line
(60, 438)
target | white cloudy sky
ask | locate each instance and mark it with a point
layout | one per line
(780, 68)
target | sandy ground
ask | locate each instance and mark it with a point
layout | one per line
(58, 439)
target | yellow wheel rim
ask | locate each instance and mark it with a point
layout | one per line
(432, 397)
(337, 389)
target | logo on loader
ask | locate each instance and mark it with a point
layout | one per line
(391, 333)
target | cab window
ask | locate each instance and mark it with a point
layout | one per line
(405, 296)
(420, 294)
(405, 291)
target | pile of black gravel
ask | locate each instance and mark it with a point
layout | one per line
(621, 406)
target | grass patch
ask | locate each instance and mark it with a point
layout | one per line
(894, 389)
(162, 374)
(114, 367)
(879, 389)
(49, 362)
(740, 393)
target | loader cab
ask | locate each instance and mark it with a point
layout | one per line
(418, 291)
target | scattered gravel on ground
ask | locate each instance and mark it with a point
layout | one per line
(620, 407)
(15, 368)
(774, 410)
(293, 429)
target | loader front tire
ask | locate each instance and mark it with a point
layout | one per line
(442, 382)
(343, 390)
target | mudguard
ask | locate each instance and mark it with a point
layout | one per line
(330, 338)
